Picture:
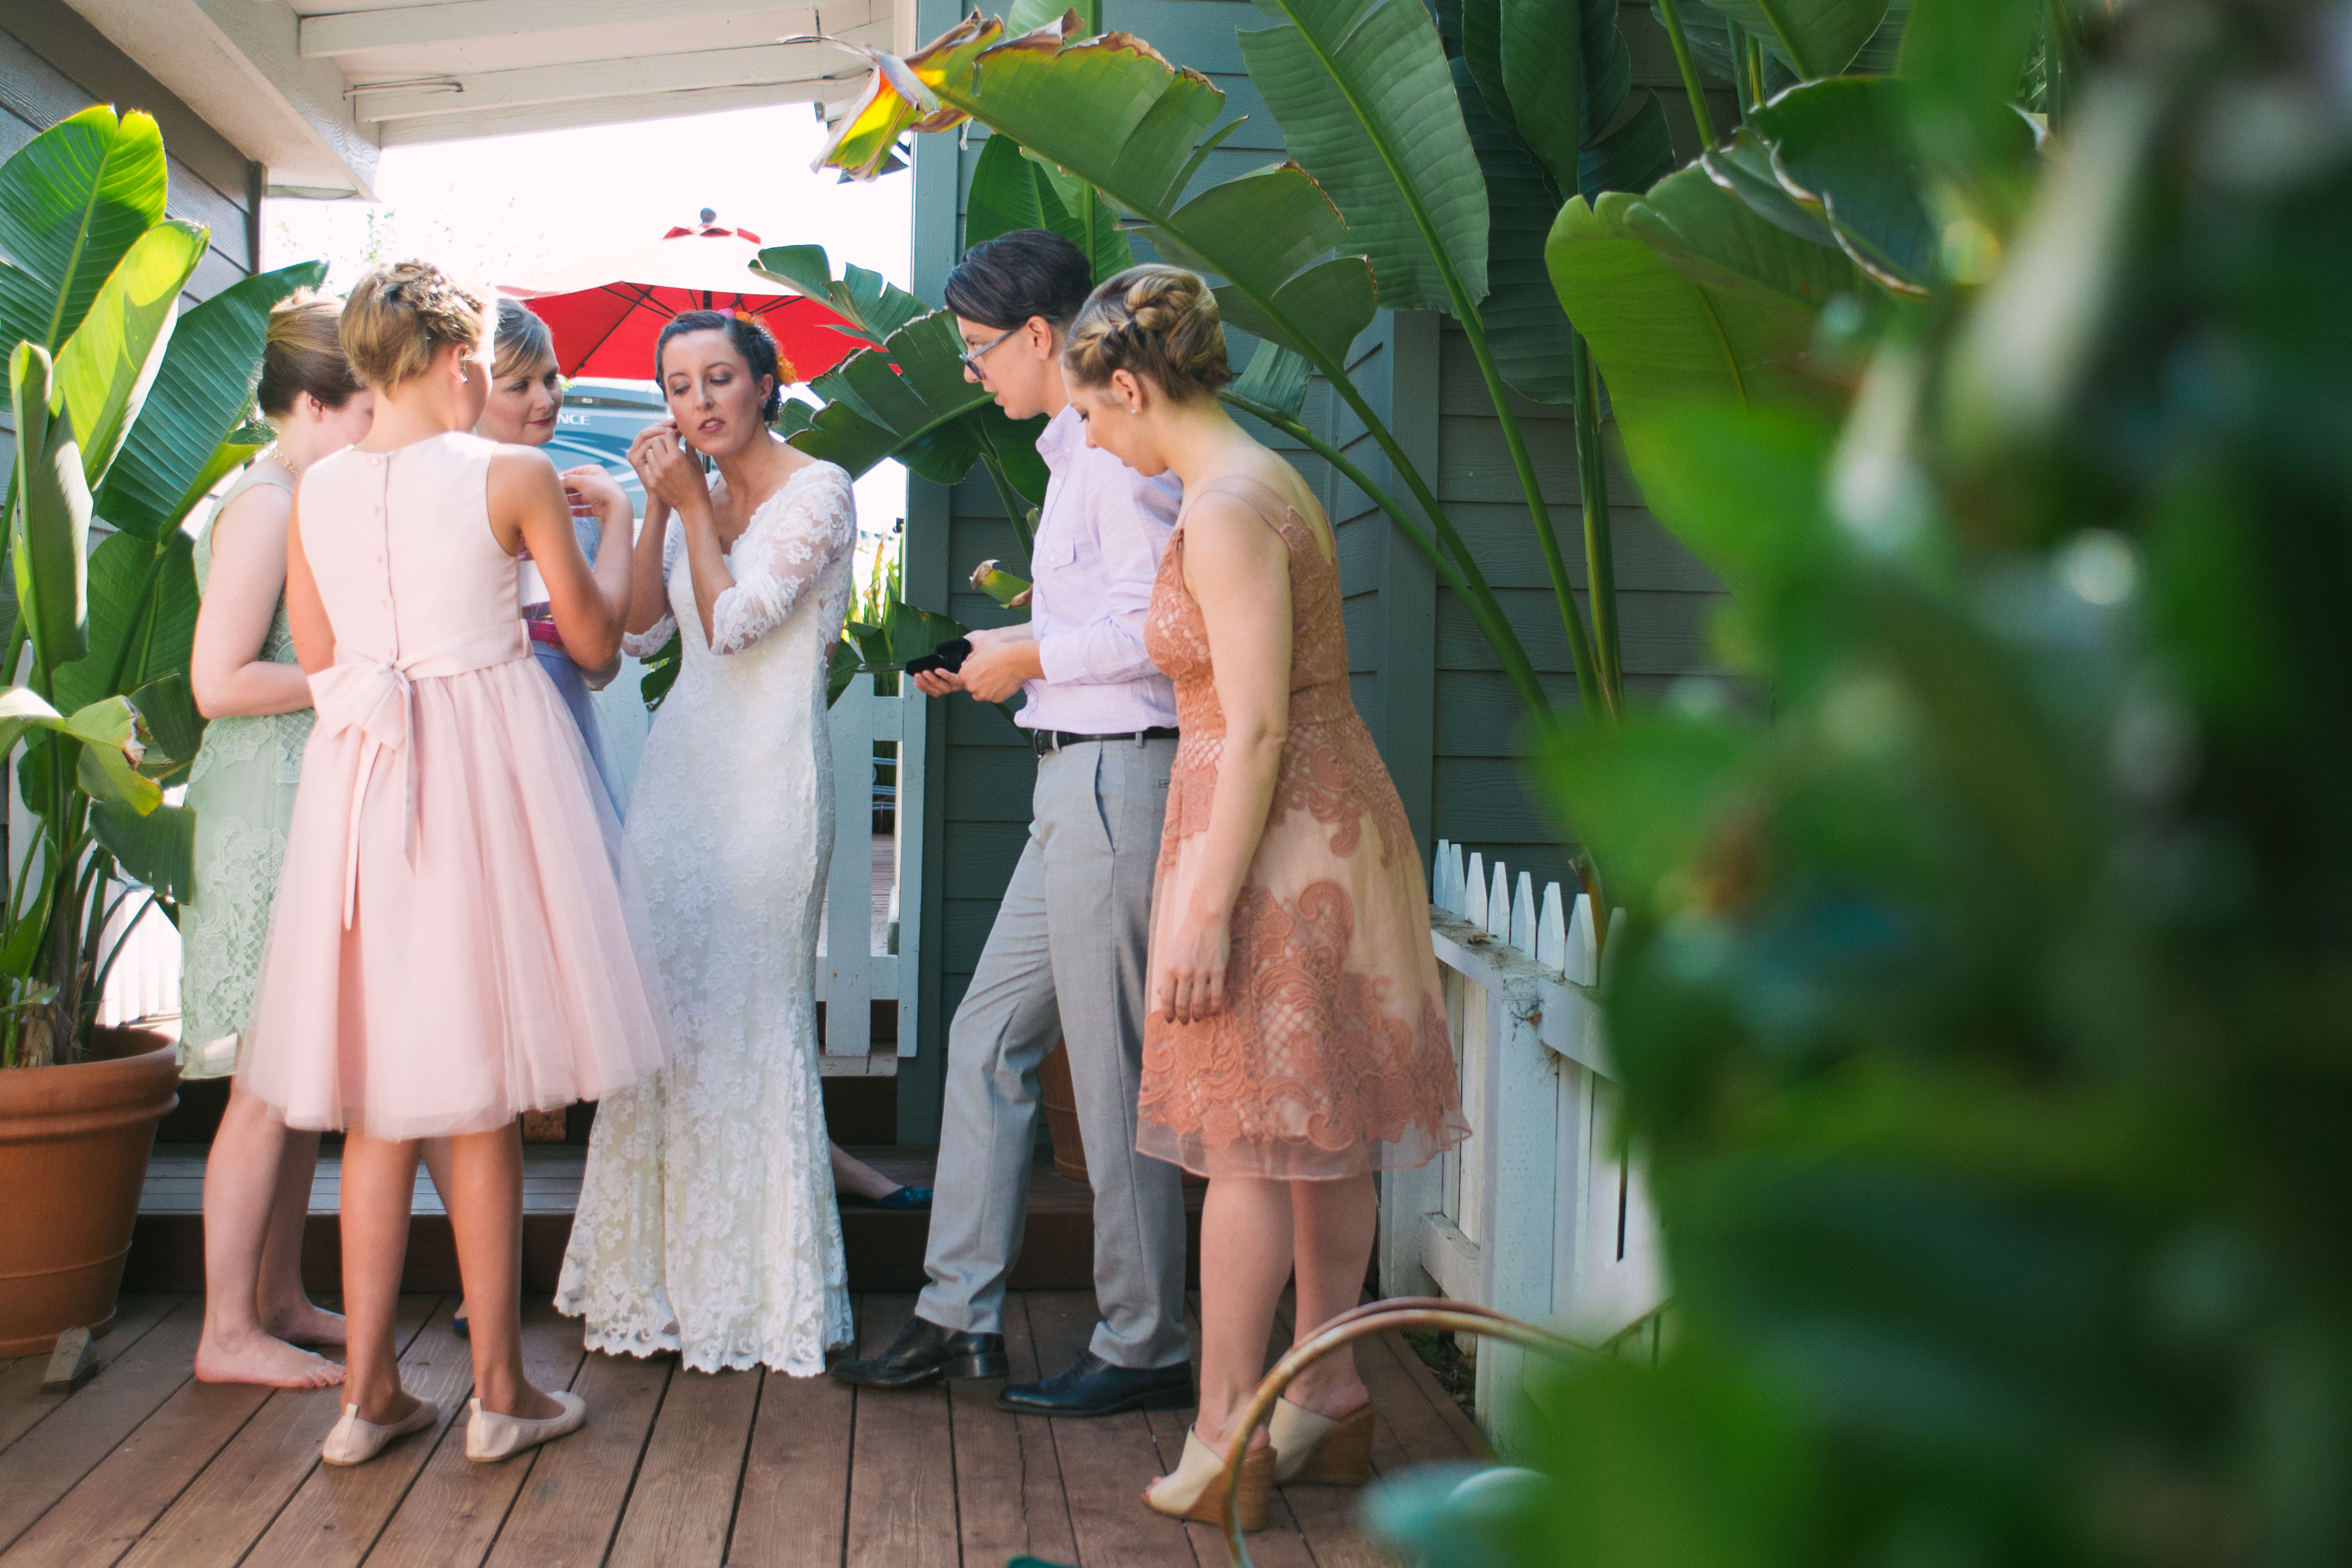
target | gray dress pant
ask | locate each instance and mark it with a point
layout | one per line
(1065, 961)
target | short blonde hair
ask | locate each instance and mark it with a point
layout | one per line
(522, 339)
(1157, 322)
(400, 316)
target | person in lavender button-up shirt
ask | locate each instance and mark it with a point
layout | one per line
(1065, 958)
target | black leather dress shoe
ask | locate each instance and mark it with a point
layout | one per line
(1092, 1386)
(925, 1352)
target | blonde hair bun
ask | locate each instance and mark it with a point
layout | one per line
(400, 315)
(1157, 322)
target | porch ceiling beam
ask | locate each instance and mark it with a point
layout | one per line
(487, 91)
(458, 21)
(465, 126)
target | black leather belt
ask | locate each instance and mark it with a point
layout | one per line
(1044, 741)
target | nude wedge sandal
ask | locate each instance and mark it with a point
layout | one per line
(1195, 1489)
(1311, 1450)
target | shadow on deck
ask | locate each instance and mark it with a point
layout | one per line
(680, 1469)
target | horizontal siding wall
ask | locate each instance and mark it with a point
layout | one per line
(54, 65)
(1479, 737)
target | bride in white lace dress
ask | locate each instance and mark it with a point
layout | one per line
(707, 1221)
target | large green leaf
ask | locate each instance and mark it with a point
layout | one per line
(201, 393)
(872, 305)
(142, 617)
(157, 847)
(1845, 149)
(1558, 78)
(106, 368)
(48, 536)
(1274, 378)
(1366, 104)
(1526, 331)
(910, 400)
(72, 202)
(1697, 331)
(169, 725)
(1113, 111)
(1743, 166)
(1011, 190)
(1812, 37)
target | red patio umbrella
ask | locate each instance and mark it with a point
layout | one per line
(606, 314)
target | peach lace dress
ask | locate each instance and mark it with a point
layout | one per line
(1331, 1056)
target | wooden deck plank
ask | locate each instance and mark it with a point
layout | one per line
(112, 1506)
(23, 1406)
(678, 1510)
(571, 1501)
(452, 1513)
(1426, 1424)
(1009, 1498)
(792, 1508)
(902, 1485)
(232, 1499)
(48, 1462)
(335, 1516)
(1106, 1462)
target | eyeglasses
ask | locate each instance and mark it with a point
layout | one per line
(971, 357)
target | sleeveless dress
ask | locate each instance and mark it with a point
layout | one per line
(571, 681)
(241, 787)
(707, 1223)
(1331, 1056)
(457, 936)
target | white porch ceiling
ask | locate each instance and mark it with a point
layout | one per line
(312, 89)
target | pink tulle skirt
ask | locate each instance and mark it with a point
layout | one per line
(455, 945)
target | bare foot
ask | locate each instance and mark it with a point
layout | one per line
(256, 1358)
(308, 1325)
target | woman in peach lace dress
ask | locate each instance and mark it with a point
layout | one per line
(1298, 1039)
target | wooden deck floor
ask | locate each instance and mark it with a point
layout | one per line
(144, 1466)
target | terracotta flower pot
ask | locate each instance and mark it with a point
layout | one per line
(74, 1143)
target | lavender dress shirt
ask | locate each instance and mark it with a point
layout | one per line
(1099, 538)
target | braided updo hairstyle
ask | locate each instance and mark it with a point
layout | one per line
(1158, 323)
(400, 316)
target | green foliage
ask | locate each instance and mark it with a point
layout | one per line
(1011, 190)
(1367, 106)
(1981, 1010)
(125, 407)
(73, 201)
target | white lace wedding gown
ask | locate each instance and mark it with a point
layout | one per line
(706, 1222)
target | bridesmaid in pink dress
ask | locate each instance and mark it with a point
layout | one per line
(1298, 1039)
(452, 945)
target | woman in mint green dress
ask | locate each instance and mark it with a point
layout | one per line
(241, 787)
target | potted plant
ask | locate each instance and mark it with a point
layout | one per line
(129, 410)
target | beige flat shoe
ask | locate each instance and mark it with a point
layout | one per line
(490, 1436)
(1311, 1450)
(1195, 1489)
(355, 1442)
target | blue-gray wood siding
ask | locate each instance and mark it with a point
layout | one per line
(53, 63)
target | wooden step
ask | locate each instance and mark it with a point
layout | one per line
(885, 1248)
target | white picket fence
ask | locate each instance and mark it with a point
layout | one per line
(1536, 1214)
(850, 973)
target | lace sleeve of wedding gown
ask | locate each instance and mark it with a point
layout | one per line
(646, 644)
(782, 557)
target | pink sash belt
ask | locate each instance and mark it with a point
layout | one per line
(377, 698)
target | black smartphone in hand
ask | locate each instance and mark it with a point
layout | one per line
(947, 657)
